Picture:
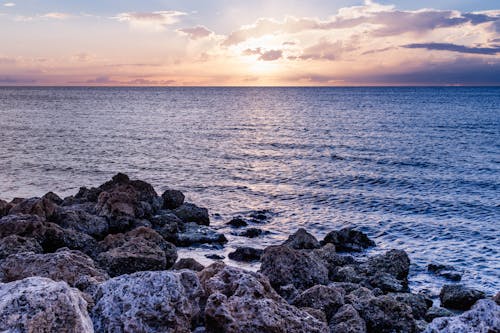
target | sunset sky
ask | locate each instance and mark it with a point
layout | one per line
(260, 42)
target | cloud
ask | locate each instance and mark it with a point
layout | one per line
(271, 55)
(454, 48)
(151, 20)
(100, 80)
(196, 32)
(56, 16)
(9, 4)
(250, 52)
(14, 80)
(324, 50)
(7, 61)
(147, 82)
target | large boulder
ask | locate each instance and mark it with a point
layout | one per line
(246, 254)
(16, 244)
(383, 314)
(326, 299)
(39, 304)
(484, 317)
(172, 199)
(347, 320)
(418, 303)
(348, 240)
(124, 197)
(302, 240)
(42, 207)
(64, 265)
(188, 263)
(141, 249)
(167, 224)
(148, 302)
(242, 301)
(284, 265)
(83, 218)
(393, 262)
(189, 212)
(4, 207)
(50, 236)
(457, 296)
(332, 259)
(192, 233)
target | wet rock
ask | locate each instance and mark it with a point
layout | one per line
(246, 254)
(445, 271)
(302, 240)
(16, 244)
(484, 317)
(348, 240)
(165, 301)
(260, 216)
(172, 199)
(419, 304)
(457, 296)
(166, 224)
(141, 249)
(437, 312)
(496, 298)
(124, 197)
(284, 265)
(386, 282)
(214, 256)
(189, 212)
(393, 262)
(39, 304)
(35, 206)
(64, 265)
(326, 299)
(241, 301)
(81, 217)
(251, 233)
(347, 320)
(53, 197)
(237, 222)
(192, 233)
(332, 259)
(385, 315)
(188, 263)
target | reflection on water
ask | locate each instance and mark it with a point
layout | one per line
(416, 168)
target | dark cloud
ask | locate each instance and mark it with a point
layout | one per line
(101, 80)
(454, 48)
(14, 80)
(197, 32)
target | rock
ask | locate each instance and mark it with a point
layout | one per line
(393, 262)
(192, 233)
(4, 208)
(457, 296)
(419, 304)
(284, 265)
(437, 312)
(326, 299)
(251, 233)
(484, 317)
(149, 302)
(348, 240)
(189, 212)
(81, 217)
(347, 273)
(242, 301)
(85, 195)
(332, 259)
(64, 265)
(384, 314)
(445, 271)
(318, 314)
(237, 222)
(39, 304)
(188, 263)
(386, 282)
(246, 254)
(16, 244)
(141, 249)
(347, 286)
(167, 224)
(172, 199)
(260, 216)
(49, 235)
(347, 320)
(124, 197)
(35, 206)
(214, 256)
(496, 298)
(302, 240)
(53, 197)
(288, 292)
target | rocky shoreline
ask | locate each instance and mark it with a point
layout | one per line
(105, 260)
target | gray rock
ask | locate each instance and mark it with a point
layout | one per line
(386, 282)
(496, 298)
(332, 259)
(241, 301)
(192, 233)
(172, 199)
(188, 263)
(347, 320)
(284, 265)
(302, 240)
(393, 262)
(326, 299)
(81, 217)
(419, 304)
(437, 312)
(39, 304)
(457, 296)
(189, 212)
(251, 233)
(167, 224)
(214, 256)
(246, 254)
(150, 302)
(16, 244)
(445, 271)
(53, 197)
(237, 222)
(42, 207)
(384, 314)
(484, 317)
(348, 240)
(4, 207)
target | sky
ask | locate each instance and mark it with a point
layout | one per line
(249, 43)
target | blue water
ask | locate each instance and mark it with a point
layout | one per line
(415, 168)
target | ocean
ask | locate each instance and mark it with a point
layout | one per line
(415, 168)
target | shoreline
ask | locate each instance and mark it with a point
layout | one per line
(123, 233)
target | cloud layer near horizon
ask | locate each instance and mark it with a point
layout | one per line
(370, 44)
